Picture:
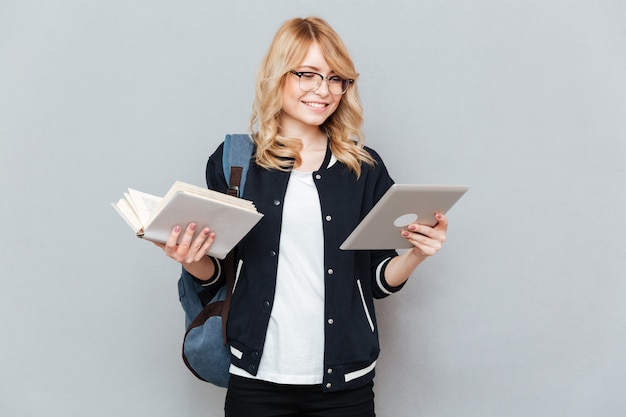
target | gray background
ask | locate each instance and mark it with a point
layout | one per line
(523, 312)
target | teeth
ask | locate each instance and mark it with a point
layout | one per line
(316, 105)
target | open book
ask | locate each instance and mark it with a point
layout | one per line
(153, 218)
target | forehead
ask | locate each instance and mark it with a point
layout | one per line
(314, 60)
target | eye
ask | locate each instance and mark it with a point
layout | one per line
(308, 75)
(336, 80)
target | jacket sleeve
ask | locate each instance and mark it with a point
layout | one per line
(380, 287)
(194, 294)
(216, 280)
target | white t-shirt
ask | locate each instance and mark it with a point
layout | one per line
(294, 346)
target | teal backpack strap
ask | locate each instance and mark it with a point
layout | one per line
(236, 160)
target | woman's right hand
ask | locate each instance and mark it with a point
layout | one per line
(190, 252)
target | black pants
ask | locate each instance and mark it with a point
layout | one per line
(251, 398)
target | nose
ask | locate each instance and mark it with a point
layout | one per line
(323, 89)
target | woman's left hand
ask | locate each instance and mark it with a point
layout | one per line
(427, 240)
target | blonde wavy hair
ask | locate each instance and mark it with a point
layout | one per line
(287, 50)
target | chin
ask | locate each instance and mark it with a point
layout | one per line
(314, 121)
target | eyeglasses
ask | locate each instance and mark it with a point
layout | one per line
(311, 81)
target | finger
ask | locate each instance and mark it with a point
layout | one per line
(423, 241)
(200, 246)
(185, 241)
(430, 232)
(207, 244)
(170, 244)
(437, 232)
(442, 222)
(424, 245)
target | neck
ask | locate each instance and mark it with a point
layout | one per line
(312, 154)
(312, 137)
(312, 143)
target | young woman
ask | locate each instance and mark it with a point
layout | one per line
(301, 327)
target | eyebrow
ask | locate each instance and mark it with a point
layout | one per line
(312, 68)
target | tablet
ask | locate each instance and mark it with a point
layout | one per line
(402, 204)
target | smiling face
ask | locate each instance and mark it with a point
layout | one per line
(303, 111)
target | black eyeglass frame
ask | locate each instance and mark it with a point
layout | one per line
(346, 81)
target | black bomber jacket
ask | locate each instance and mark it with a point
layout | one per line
(352, 278)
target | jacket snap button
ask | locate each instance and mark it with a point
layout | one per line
(331, 321)
(330, 271)
(328, 218)
(318, 177)
(328, 385)
(272, 253)
(277, 202)
(330, 371)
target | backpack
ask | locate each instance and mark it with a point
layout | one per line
(205, 351)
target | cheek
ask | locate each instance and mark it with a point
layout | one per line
(290, 97)
(291, 90)
(336, 105)
(290, 103)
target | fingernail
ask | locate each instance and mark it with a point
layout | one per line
(405, 233)
(439, 216)
(412, 227)
(176, 229)
(192, 227)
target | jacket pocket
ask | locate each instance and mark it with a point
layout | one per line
(367, 312)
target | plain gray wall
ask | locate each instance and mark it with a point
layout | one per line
(522, 313)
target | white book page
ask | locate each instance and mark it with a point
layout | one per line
(127, 212)
(143, 204)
